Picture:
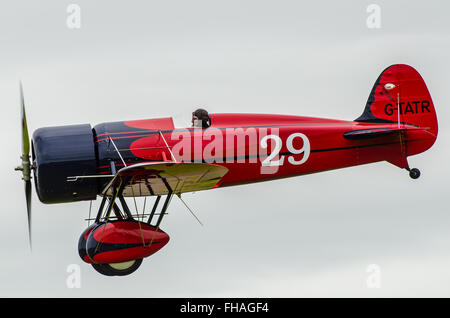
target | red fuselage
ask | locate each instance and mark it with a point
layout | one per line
(296, 145)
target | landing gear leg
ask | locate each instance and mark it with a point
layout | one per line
(104, 215)
(165, 205)
(123, 268)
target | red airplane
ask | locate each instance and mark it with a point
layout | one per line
(153, 158)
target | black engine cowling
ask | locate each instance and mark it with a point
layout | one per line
(61, 152)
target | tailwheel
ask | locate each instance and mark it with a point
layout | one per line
(414, 173)
(118, 269)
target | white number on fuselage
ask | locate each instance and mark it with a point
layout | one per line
(305, 150)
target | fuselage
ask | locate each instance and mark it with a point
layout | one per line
(254, 147)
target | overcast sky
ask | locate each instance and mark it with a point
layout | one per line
(307, 236)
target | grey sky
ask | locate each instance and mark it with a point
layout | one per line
(307, 236)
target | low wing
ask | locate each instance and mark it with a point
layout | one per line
(146, 179)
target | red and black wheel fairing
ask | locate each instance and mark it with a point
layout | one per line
(121, 241)
(82, 243)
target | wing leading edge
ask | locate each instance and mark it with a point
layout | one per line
(154, 178)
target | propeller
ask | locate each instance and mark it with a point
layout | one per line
(26, 166)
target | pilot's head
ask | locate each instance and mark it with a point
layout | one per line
(200, 118)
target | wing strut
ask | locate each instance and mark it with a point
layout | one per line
(166, 202)
(192, 212)
(167, 145)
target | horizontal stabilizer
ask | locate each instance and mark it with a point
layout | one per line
(373, 132)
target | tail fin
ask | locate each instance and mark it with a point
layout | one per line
(401, 96)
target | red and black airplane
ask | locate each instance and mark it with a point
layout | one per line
(153, 158)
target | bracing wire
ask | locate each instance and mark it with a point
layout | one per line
(90, 209)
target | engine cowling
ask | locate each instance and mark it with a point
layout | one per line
(122, 241)
(61, 152)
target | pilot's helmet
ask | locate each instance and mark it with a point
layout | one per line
(200, 118)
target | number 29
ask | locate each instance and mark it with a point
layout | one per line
(305, 149)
